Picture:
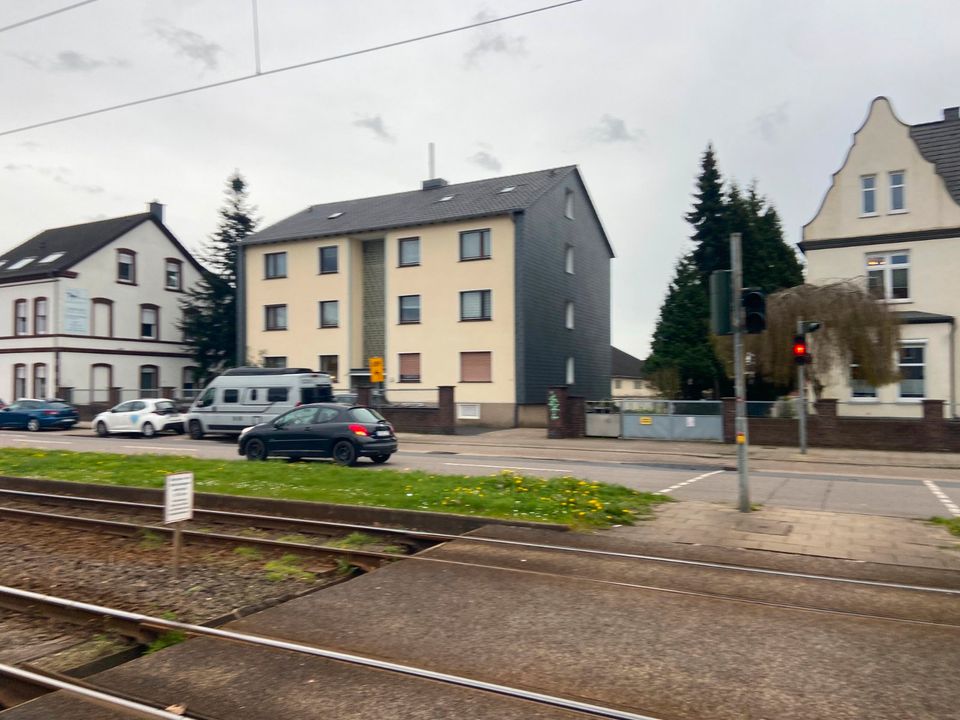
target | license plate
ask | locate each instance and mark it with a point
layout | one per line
(383, 433)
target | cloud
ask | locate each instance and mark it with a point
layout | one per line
(493, 42)
(613, 129)
(188, 43)
(375, 123)
(70, 61)
(486, 160)
(770, 123)
(30, 145)
(57, 174)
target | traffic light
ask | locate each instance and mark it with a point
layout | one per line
(754, 310)
(801, 356)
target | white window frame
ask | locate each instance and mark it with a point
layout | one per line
(921, 343)
(334, 376)
(21, 323)
(468, 411)
(568, 318)
(321, 304)
(886, 266)
(145, 311)
(863, 398)
(903, 191)
(173, 275)
(864, 191)
(571, 371)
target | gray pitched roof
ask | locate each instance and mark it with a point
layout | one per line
(76, 242)
(481, 198)
(939, 143)
(624, 365)
(918, 317)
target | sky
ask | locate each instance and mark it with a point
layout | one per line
(631, 91)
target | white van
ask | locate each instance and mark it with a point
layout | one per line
(247, 396)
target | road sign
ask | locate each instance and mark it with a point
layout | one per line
(376, 369)
(178, 498)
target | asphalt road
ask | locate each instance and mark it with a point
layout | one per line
(914, 493)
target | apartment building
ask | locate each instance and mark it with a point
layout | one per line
(891, 218)
(498, 287)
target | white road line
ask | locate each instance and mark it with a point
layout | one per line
(829, 474)
(942, 497)
(507, 467)
(691, 480)
(154, 447)
(44, 442)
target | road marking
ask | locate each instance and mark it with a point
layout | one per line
(691, 480)
(44, 442)
(154, 447)
(507, 467)
(942, 497)
(829, 474)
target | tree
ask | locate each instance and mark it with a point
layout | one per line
(209, 320)
(856, 329)
(709, 218)
(681, 356)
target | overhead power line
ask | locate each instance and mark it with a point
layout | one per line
(45, 15)
(297, 66)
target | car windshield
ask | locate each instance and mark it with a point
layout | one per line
(165, 407)
(58, 406)
(365, 415)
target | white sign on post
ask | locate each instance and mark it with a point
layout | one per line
(178, 498)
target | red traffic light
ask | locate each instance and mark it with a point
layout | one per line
(800, 354)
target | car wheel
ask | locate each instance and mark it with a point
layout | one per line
(344, 453)
(102, 429)
(380, 458)
(256, 450)
(148, 431)
(196, 430)
(33, 424)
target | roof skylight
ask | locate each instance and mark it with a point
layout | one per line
(51, 257)
(509, 188)
(446, 198)
(333, 216)
(22, 262)
(2, 263)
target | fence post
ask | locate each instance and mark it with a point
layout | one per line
(447, 417)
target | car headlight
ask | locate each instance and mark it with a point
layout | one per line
(246, 430)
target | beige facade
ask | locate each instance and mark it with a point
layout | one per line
(889, 214)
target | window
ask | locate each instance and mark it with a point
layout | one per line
(40, 380)
(468, 411)
(149, 380)
(475, 305)
(275, 361)
(330, 364)
(40, 316)
(409, 309)
(911, 370)
(888, 276)
(568, 260)
(568, 205)
(19, 381)
(299, 417)
(475, 367)
(173, 274)
(897, 196)
(20, 317)
(616, 384)
(860, 388)
(231, 395)
(22, 262)
(328, 259)
(868, 195)
(188, 381)
(329, 313)
(475, 245)
(334, 215)
(636, 384)
(408, 251)
(275, 317)
(568, 319)
(126, 266)
(149, 315)
(446, 198)
(277, 394)
(51, 257)
(102, 318)
(570, 371)
(275, 265)
(508, 188)
(409, 367)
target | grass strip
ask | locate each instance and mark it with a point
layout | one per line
(508, 495)
(952, 524)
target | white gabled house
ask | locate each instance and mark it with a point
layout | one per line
(92, 309)
(892, 219)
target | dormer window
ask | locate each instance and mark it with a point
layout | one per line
(127, 267)
(868, 195)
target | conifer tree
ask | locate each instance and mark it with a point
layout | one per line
(709, 219)
(209, 321)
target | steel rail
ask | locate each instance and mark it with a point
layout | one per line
(315, 651)
(130, 707)
(444, 537)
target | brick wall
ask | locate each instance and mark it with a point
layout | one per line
(440, 420)
(931, 433)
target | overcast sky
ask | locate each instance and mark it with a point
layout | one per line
(631, 91)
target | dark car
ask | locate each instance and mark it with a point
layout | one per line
(38, 414)
(324, 430)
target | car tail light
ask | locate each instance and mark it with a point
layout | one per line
(358, 429)
(49, 412)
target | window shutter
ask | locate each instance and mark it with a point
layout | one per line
(475, 367)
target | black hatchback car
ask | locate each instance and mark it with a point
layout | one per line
(322, 430)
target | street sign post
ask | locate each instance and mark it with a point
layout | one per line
(376, 369)
(740, 385)
(177, 507)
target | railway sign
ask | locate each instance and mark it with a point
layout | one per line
(178, 498)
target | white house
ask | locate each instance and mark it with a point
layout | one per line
(892, 219)
(95, 307)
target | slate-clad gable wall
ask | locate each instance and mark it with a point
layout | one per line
(543, 287)
(373, 300)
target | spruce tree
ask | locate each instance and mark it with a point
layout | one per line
(209, 320)
(709, 219)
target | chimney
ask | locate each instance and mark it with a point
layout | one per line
(434, 182)
(951, 113)
(156, 209)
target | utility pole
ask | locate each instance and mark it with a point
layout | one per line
(740, 386)
(802, 394)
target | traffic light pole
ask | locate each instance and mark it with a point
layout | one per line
(740, 385)
(802, 395)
